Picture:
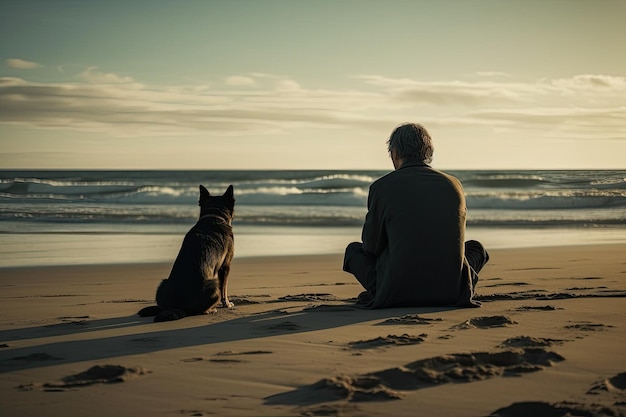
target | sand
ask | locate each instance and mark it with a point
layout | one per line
(549, 340)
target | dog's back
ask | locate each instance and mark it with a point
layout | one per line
(198, 279)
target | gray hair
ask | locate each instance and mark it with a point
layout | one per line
(411, 142)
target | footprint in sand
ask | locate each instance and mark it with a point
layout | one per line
(196, 359)
(410, 319)
(537, 308)
(615, 385)
(533, 269)
(248, 352)
(226, 356)
(71, 321)
(226, 360)
(308, 297)
(515, 295)
(330, 308)
(390, 383)
(243, 301)
(527, 341)
(599, 293)
(192, 413)
(330, 410)
(507, 284)
(585, 288)
(588, 327)
(99, 374)
(525, 409)
(391, 340)
(543, 295)
(485, 322)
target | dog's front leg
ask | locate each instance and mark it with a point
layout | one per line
(222, 275)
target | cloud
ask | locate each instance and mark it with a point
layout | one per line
(237, 80)
(463, 93)
(288, 85)
(565, 122)
(493, 74)
(91, 75)
(21, 64)
(580, 106)
(591, 81)
(123, 107)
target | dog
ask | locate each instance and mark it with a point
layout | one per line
(199, 277)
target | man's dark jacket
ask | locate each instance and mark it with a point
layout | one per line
(415, 228)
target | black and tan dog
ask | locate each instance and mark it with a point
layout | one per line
(198, 279)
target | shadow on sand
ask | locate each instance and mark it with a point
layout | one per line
(144, 336)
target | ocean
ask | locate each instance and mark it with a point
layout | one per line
(102, 217)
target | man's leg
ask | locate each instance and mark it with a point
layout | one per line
(477, 257)
(361, 265)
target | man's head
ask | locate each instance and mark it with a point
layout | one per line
(410, 143)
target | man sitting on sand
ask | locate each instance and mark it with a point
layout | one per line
(413, 251)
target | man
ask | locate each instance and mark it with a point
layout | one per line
(413, 251)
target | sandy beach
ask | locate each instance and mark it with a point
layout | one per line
(548, 340)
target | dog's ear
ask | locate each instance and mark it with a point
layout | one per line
(204, 193)
(229, 194)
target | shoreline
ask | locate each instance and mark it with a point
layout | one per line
(294, 258)
(119, 248)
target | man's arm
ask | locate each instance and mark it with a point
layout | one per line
(374, 236)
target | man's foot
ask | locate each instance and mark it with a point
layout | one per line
(365, 297)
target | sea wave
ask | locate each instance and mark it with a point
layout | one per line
(39, 189)
(319, 192)
(292, 195)
(557, 200)
(298, 197)
(131, 216)
(506, 181)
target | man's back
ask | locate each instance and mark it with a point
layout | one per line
(415, 228)
(413, 251)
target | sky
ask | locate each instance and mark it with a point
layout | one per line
(282, 84)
